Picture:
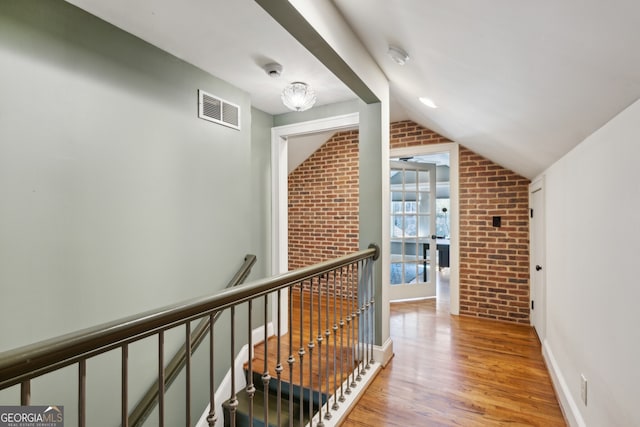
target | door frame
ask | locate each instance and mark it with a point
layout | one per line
(454, 182)
(538, 279)
(279, 195)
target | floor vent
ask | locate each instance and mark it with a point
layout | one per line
(218, 110)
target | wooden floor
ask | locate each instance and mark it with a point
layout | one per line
(446, 371)
(458, 371)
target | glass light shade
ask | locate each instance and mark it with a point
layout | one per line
(298, 96)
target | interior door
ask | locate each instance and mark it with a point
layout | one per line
(538, 284)
(413, 225)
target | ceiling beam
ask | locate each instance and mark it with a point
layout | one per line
(293, 21)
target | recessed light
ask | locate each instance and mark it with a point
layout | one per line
(428, 102)
(398, 55)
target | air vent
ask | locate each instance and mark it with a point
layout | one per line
(218, 110)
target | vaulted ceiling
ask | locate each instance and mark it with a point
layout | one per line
(518, 82)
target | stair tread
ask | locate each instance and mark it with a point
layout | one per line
(242, 415)
(258, 410)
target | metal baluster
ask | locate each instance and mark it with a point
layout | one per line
(291, 360)
(82, 393)
(301, 353)
(319, 339)
(359, 316)
(212, 417)
(373, 308)
(266, 378)
(125, 386)
(279, 367)
(367, 317)
(188, 374)
(335, 344)
(342, 276)
(362, 300)
(232, 403)
(25, 393)
(370, 311)
(251, 389)
(161, 379)
(327, 334)
(354, 343)
(348, 313)
(311, 345)
(363, 309)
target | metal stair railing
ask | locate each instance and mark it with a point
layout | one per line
(150, 399)
(356, 297)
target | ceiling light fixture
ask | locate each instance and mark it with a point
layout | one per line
(298, 96)
(428, 102)
(398, 55)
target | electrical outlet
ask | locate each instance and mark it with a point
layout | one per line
(583, 389)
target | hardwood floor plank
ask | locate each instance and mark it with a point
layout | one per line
(446, 371)
(458, 371)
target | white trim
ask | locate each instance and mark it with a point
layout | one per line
(454, 252)
(383, 354)
(567, 402)
(224, 390)
(339, 415)
(279, 196)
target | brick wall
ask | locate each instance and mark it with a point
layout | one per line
(323, 203)
(494, 262)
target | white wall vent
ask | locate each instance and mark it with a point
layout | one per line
(218, 110)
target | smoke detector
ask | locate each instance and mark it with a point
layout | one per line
(273, 69)
(398, 55)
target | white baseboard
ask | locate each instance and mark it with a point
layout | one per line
(383, 354)
(224, 390)
(567, 402)
(339, 415)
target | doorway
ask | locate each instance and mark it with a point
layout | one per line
(279, 212)
(441, 265)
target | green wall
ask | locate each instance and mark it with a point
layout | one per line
(114, 197)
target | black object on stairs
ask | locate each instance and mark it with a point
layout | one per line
(287, 392)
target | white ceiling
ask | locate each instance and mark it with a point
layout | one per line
(518, 82)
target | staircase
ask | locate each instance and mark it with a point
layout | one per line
(330, 344)
(302, 399)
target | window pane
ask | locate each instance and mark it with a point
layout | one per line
(424, 205)
(396, 273)
(410, 225)
(410, 273)
(410, 196)
(410, 249)
(397, 226)
(410, 180)
(424, 180)
(424, 228)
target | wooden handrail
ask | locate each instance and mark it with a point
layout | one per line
(23, 363)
